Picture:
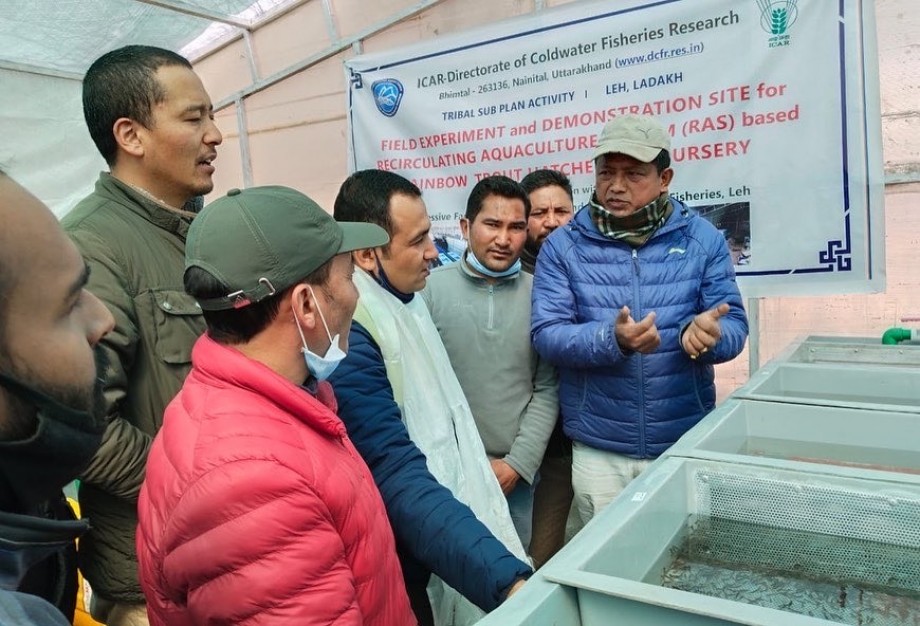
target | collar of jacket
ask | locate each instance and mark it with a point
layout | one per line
(217, 364)
(171, 220)
(27, 539)
(467, 271)
(585, 225)
(528, 260)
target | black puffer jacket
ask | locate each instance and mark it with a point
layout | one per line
(38, 552)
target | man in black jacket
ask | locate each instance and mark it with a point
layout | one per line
(50, 396)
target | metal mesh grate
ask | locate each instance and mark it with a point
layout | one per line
(817, 549)
(816, 531)
(817, 508)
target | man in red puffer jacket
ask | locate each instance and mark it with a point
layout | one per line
(256, 508)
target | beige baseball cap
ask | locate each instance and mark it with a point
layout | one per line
(639, 136)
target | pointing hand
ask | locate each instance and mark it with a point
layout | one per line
(633, 336)
(704, 331)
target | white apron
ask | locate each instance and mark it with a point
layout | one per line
(439, 421)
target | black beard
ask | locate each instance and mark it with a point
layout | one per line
(22, 419)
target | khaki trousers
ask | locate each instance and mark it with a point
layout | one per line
(599, 476)
(115, 614)
(128, 615)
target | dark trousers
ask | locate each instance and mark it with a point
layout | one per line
(551, 503)
(421, 606)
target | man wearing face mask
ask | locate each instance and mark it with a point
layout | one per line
(256, 508)
(481, 308)
(401, 401)
(50, 406)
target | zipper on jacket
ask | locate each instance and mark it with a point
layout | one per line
(491, 307)
(343, 443)
(640, 357)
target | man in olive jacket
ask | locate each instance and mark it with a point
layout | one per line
(157, 134)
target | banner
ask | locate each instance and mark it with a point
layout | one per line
(772, 106)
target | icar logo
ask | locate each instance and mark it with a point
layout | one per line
(388, 95)
(776, 18)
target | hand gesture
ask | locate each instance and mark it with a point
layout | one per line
(636, 336)
(704, 331)
(507, 477)
(515, 587)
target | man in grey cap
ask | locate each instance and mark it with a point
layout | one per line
(635, 301)
(256, 507)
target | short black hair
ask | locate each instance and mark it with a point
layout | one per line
(662, 161)
(365, 197)
(495, 186)
(123, 83)
(235, 326)
(538, 179)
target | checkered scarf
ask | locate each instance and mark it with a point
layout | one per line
(636, 228)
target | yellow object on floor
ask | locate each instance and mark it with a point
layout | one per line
(81, 616)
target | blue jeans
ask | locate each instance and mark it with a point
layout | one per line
(520, 503)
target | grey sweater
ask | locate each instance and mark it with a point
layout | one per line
(486, 331)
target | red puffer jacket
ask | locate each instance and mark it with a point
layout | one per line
(256, 508)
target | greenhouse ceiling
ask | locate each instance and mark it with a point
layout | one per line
(63, 37)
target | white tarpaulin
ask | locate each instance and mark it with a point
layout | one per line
(45, 48)
(772, 106)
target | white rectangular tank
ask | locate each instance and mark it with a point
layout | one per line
(838, 439)
(855, 351)
(871, 387)
(693, 541)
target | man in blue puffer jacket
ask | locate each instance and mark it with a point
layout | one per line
(634, 300)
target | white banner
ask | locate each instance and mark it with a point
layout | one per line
(772, 105)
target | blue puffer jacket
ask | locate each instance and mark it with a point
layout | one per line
(434, 531)
(21, 609)
(633, 404)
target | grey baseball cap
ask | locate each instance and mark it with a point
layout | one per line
(639, 136)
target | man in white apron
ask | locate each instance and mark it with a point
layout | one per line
(401, 403)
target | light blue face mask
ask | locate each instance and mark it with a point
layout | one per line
(321, 366)
(485, 271)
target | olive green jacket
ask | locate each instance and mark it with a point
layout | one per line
(135, 249)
